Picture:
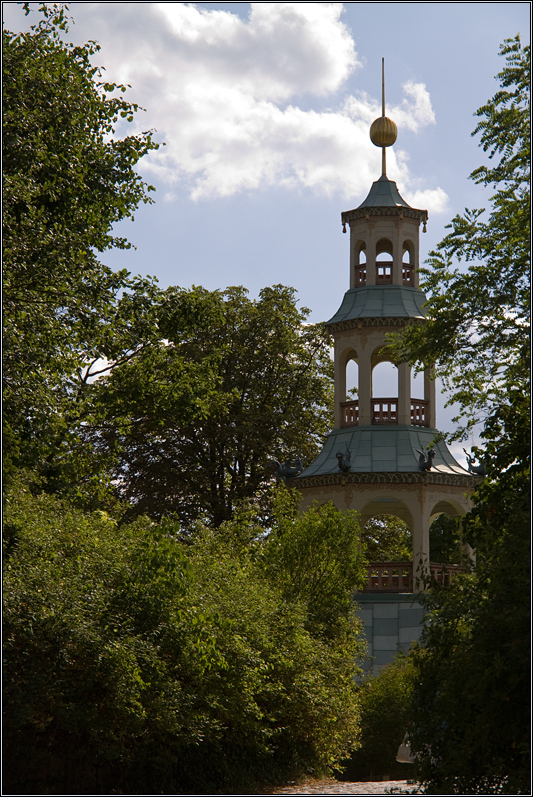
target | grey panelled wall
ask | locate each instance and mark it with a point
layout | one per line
(391, 624)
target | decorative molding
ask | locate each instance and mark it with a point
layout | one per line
(454, 480)
(349, 216)
(358, 323)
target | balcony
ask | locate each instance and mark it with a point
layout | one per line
(384, 411)
(398, 576)
(408, 277)
(384, 274)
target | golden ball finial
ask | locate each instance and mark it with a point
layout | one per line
(383, 132)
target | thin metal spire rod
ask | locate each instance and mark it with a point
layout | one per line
(383, 149)
(383, 87)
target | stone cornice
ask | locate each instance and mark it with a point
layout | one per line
(454, 480)
(358, 323)
(402, 212)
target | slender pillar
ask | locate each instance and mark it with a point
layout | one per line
(420, 550)
(371, 259)
(404, 394)
(340, 389)
(431, 397)
(365, 388)
(397, 255)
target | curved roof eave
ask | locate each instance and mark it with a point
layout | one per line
(380, 301)
(383, 449)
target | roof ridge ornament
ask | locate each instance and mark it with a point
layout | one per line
(383, 131)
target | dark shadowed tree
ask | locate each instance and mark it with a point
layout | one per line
(67, 178)
(470, 724)
(233, 383)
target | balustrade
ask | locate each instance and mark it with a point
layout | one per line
(419, 412)
(390, 577)
(384, 411)
(360, 275)
(407, 274)
(398, 576)
(350, 413)
(384, 274)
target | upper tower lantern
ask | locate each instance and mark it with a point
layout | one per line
(383, 455)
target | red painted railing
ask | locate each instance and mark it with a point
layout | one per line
(384, 274)
(419, 412)
(350, 413)
(398, 576)
(408, 274)
(384, 411)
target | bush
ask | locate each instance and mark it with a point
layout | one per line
(136, 662)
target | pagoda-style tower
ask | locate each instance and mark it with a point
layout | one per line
(381, 458)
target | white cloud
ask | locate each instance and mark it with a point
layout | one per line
(434, 200)
(227, 96)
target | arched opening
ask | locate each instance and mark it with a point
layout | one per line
(417, 383)
(445, 544)
(445, 538)
(387, 538)
(348, 388)
(419, 406)
(384, 379)
(384, 393)
(384, 258)
(448, 553)
(408, 263)
(352, 380)
(360, 263)
(388, 546)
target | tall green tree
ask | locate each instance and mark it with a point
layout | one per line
(470, 724)
(195, 420)
(67, 178)
(477, 280)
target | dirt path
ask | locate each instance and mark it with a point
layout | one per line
(328, 786)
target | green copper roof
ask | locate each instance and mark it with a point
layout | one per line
(382, 449)
(381, 301)
(384, 194)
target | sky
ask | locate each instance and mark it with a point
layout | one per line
(265, 109)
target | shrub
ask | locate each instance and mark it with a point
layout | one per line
(136, 662)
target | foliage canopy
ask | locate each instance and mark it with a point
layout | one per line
(195, 418)
(470, 724)
(135, 661)
(478, 316)
(67, 179)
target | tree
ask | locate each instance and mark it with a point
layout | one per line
(477, 330)
(195, 419)
(470, 725)
(387, 539)
(67, 180)
(445, 541)
(316, 559)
